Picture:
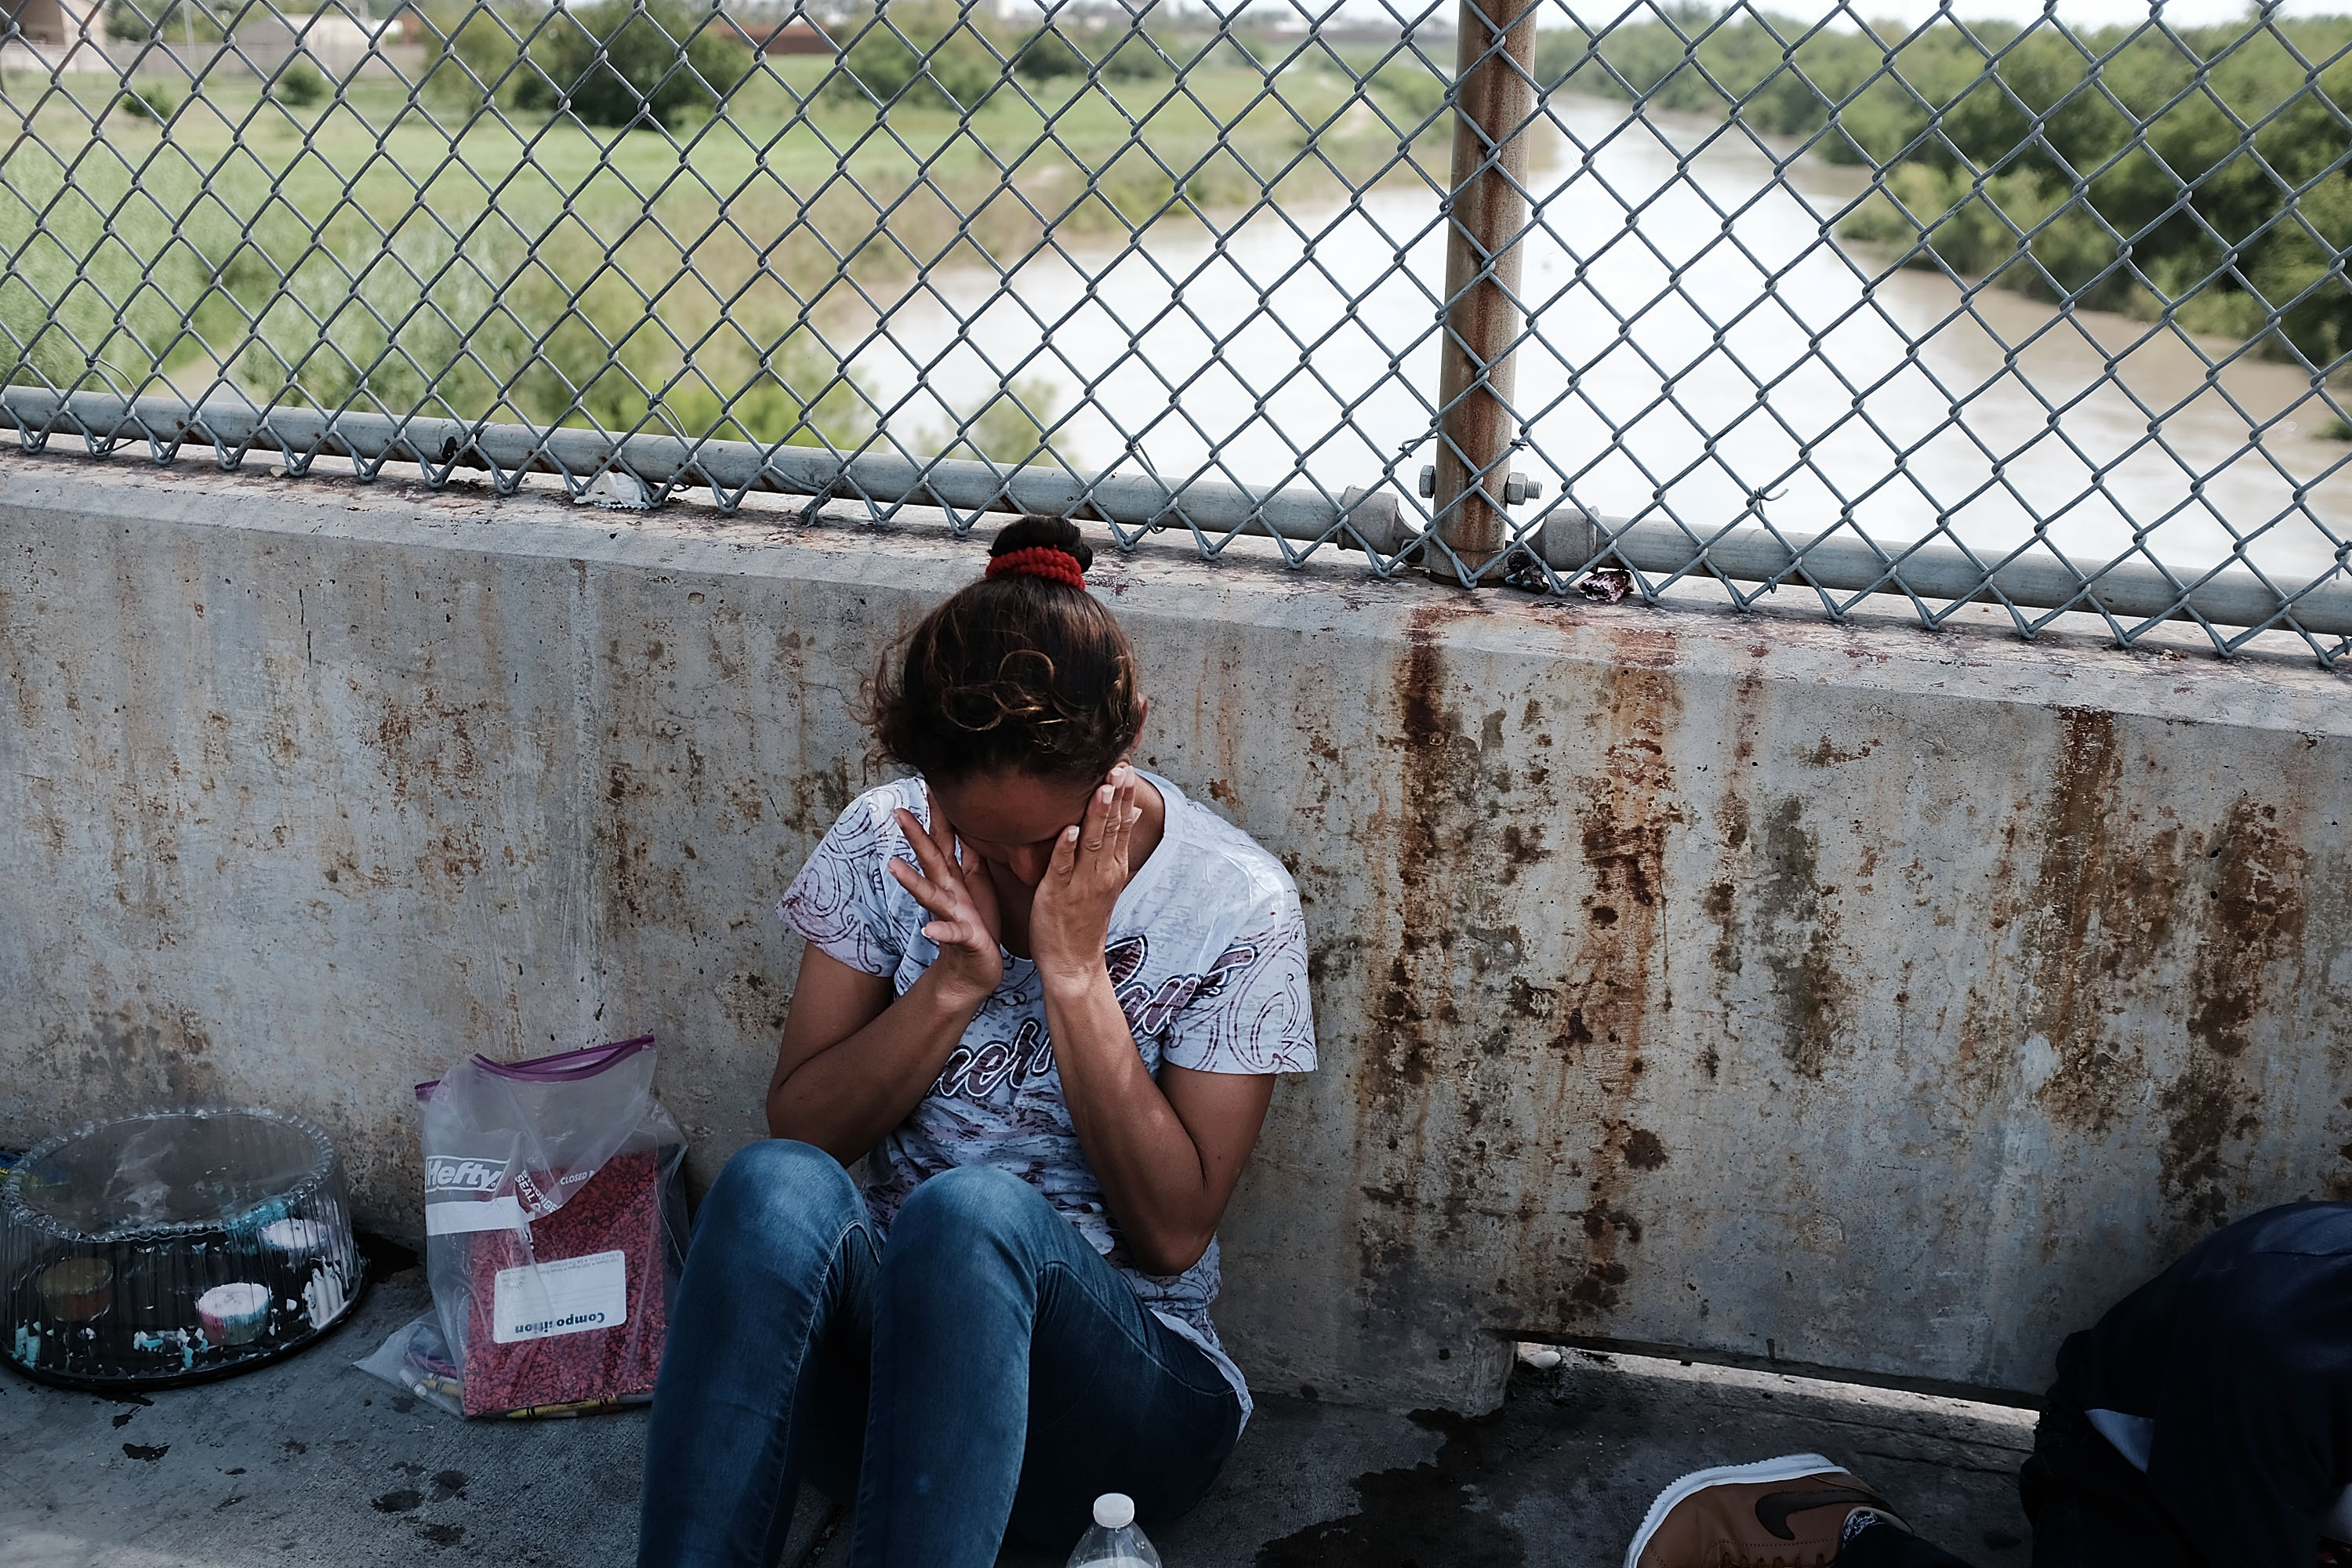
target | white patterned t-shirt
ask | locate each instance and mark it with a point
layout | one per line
(1207, 952)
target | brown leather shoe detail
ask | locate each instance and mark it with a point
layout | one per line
(1723, 1525)
(1773, 1509)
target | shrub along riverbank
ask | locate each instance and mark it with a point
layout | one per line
(2197, 175)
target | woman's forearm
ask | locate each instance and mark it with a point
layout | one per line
(1149, 1168)
(844, 1098)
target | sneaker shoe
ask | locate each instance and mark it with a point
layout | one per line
(1789, 1513)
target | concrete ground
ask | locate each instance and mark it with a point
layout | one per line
(310, 1461)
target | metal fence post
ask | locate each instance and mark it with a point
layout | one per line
(1488, 210)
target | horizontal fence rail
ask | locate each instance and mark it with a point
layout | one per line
(1722, 301)
(730, 469)
(2129, 595)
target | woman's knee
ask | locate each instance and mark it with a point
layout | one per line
(969, 1208)
(777, 1188)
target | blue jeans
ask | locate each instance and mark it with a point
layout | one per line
(984, 1371)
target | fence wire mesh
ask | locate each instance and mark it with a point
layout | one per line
(1961, 312)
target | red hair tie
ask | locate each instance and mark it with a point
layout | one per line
(1040, 560)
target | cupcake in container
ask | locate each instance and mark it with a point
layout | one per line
(172, 1246)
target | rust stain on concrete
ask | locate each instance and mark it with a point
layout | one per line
(1436, 777)
(1631, 808)
(2121, 904)
(2252, 929)
(2255, 918)
(429, 743)
(1400, 1208)
(2070, 888)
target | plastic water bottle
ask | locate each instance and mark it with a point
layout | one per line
(1114, 1541)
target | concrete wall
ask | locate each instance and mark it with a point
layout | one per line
(1860, 997)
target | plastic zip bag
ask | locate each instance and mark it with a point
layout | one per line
(555, 1231)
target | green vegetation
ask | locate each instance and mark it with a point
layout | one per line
(2036, 174)
(689, 270)
(1006, 432)
(301, 84)
(147, 101)
(1125, 56)
(930, 55)
(623, 63)
(475, 57)
(924, 59)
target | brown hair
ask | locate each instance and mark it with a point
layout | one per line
(1018, 672)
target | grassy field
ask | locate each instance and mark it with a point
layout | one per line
(344, 255)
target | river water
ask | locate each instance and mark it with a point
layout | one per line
(1701, 350)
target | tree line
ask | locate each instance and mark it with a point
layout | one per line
(2197, 174)
(618, 63)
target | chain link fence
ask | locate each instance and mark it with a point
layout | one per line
(1690, 302)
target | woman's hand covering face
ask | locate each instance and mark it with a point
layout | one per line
(953, 887)
(1069, 918)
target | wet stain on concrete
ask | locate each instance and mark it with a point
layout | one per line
(1430, 1513)
(1645, 1150)
(1797, 931)
(1523, 846)
(167, 1056)
(1720, 904)
(146, 1453)
(2199, 1119)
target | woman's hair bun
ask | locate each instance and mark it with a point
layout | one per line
(1035, 532)
(1021, 670)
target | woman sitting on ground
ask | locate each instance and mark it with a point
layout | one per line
(1049, 993)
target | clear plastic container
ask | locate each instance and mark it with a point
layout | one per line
(174, 1245)
(1114, 1541)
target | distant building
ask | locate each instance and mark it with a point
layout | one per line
(46, 36)
(793, 36)
(1089, 15)
(54, 21)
